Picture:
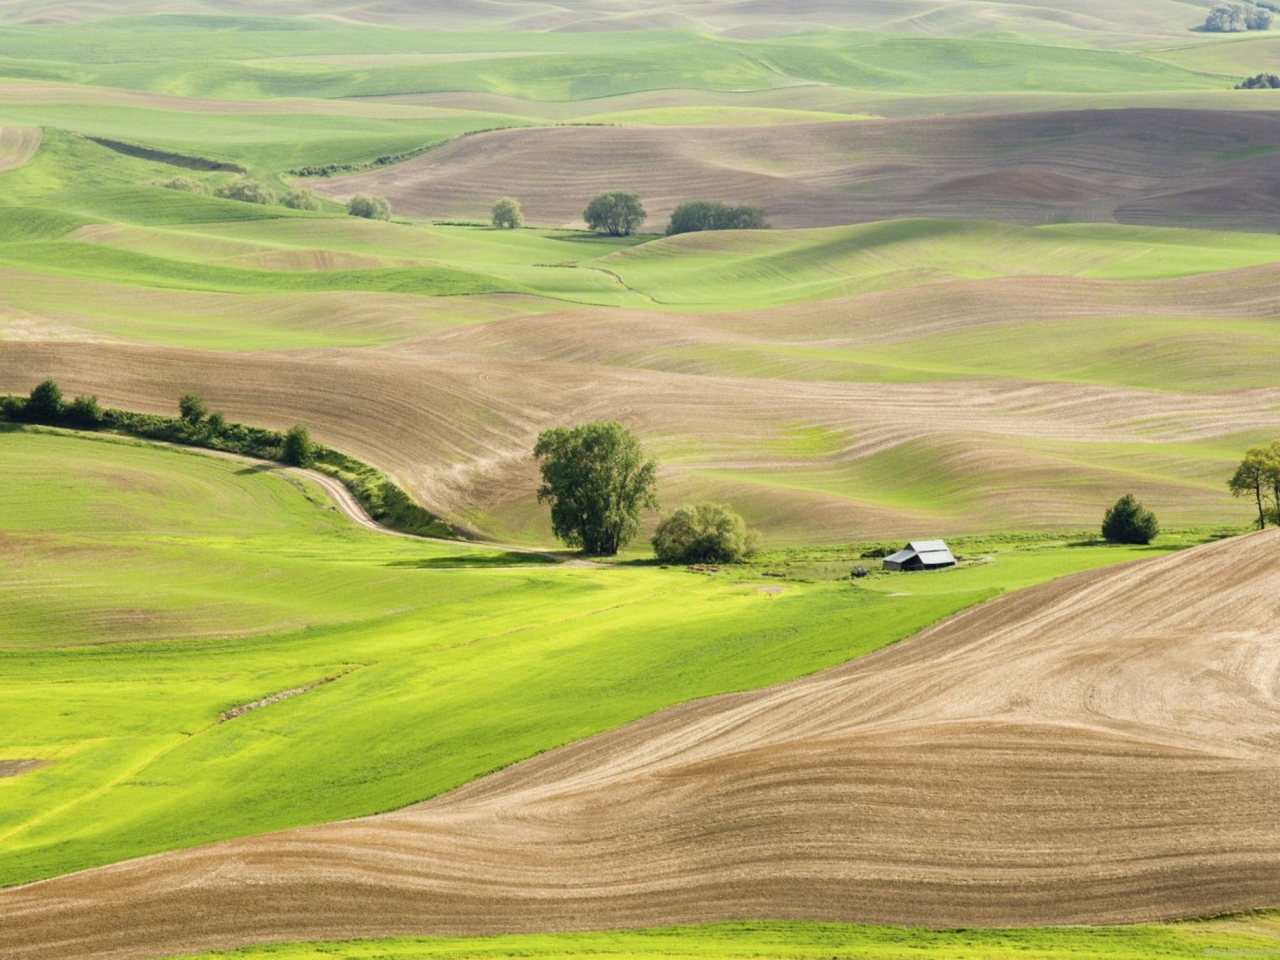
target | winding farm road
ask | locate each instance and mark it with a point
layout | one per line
(1101, 748)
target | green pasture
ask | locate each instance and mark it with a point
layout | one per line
(1168, 354)
(147, 590)
(246, 58)
(1253, 935)
(760, 268)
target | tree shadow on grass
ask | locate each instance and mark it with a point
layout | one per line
(470, 560)
(257, 468)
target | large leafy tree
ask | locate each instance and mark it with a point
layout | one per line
(618, 213)
(1253, 476)
(598, 480)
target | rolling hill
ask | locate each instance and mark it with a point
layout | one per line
(1098, 749)
(1159, 167)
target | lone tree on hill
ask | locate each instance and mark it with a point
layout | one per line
(298, 451)
(192, 409)
(618, 213)
(597, 479)
(694, 215)
(369, 207)
(506, 213)
(1128, 521)
(705, 533)
(1258, 471)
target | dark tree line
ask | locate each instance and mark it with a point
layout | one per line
(695, 215)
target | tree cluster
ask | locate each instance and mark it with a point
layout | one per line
(1258, 477)
(1263, 81)
(1235, 18)
(246, 191)
(704, 533)
(694, 215)
(618, 213)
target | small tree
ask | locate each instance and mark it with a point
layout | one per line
(216, 424)
(369, 207)
(1129, 522)
(301, 200)
(597, 479)
(85, 412)
(45, 402)
(192, 409)
(298, 451)
(1252, 478)
(247, 191)
(506, 213)
(618, 213)
(706, 533)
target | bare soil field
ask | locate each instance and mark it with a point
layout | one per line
(454, 415)
(1142, 166)
(1099, 749)
(18, 145)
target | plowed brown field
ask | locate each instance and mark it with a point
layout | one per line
(1142, 166)
(1101, 748)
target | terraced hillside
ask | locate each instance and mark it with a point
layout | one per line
(957, 778)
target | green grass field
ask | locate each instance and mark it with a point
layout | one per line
(1254, 935)
(154, 589)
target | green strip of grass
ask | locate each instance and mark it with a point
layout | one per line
(1256, 935)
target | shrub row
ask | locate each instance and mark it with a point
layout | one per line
(381, 498)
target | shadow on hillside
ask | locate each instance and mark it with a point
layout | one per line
(468, 560)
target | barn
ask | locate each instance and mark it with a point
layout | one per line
(921, 555)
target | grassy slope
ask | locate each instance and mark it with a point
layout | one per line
(147, 590)
(1247, 936)
(761, 268)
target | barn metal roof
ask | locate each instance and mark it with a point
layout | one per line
(932, 553)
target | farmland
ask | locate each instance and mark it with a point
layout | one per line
(1022, 260)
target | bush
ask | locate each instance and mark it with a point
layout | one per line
(186, 185)
(1128, 521)
(617, 213)
(44, 405)
(301, 200)
(706, 533)
(85, 412)
(247, 191)
(216, 425)
(297, 450)
(506, 213)
(369, 207)
(695, 215)
(192, 409)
